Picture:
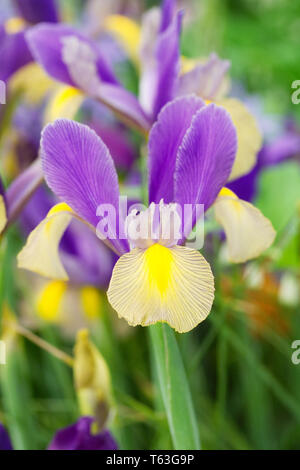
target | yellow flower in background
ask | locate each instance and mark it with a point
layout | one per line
(49, 302)
(127, 32)
(33, 82)
(64, 102)
(3, 216)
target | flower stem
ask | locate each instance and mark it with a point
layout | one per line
(41, 343)
(174, 388)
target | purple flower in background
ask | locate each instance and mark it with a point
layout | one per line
(160, 57)
(273, 153)
(14, 53)
(13, 199)
(34, 11)
(5, 443)
(78, 436)
(78, 61)
(72, 58)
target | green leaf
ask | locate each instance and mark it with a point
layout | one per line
(174, 388)
(279, 193)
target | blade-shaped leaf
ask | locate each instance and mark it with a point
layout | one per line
(174, 388)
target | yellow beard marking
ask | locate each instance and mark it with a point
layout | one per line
(159, 262)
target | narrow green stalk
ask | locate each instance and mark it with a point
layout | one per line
(174, 388)
(222, 368)
(15, 381)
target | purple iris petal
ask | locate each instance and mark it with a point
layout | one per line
(78, 437)
(14, 54)
(205, 157)
(281, 149)
(28, 121)
(46, 43)
(5, 443)
(35, 11)
(125, 103)
(91, 262)
(117, 141)
(205, 79)
(168, 63)
(36, 209)
(164, 140)
(167, 14)
(79, 170)
(86, 259)
(246, 186)
(82, 66)
(22, 188)
(286, 146)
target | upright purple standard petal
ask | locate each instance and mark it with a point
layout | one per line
(165, 138)
(168, 63)
(5, 443)
(35, 11)
(205, 157)
(79, 170)
(14, 54)
(78, 437)
(167, 14)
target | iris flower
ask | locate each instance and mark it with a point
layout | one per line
(192, 149)
(70, 57)
(166, 75)
(75, 60)
(13, 47)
